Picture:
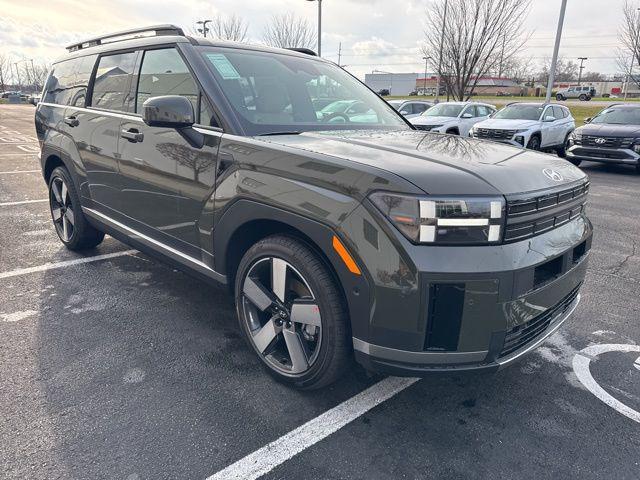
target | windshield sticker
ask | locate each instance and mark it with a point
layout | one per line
(224, 66)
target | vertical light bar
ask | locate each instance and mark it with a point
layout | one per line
(427, 209)
(427, 233)
(496, 209)
(494, 233)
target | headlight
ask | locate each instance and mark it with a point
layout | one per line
(443, 220)
(522, 130)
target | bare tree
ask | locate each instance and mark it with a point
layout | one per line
(4, 72)
(566, 70)
(289, 31)
(629, 31)
(519, 69)
(478, 35)
(232, 27)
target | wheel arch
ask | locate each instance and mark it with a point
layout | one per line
(246, 222)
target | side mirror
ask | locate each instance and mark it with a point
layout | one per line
(169, 111)
(467, 115)
(588, 120)
(549, 118)
(404, 112)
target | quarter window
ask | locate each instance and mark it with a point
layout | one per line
(68, 81)
(113, 79)
(165, 73)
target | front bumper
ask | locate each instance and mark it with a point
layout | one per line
(604, 155)
(443, 309)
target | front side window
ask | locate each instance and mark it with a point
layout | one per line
(419, 107)
(113, 80)
(164, 72)
(274, 93)
(520, 112)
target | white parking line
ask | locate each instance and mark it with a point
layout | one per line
(19, 171)
(17, 154)
(279, 451)
(23, 202)
(66, 263)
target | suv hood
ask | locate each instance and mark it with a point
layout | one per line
(610, 130)
(422, 120)
(439, 164)
(504, 124)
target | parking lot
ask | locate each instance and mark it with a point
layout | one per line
(113, 365)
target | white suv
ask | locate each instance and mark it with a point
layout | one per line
(537, 126)
(455, 118)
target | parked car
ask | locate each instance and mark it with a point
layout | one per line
(412, 253)
(34, 99)
(536, 126)
(612, 136)
(345, 111)
(411, 108)
(384, 92)
(455, 118)
(583, 93)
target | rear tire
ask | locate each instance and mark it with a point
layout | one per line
(582, 98)
(534, 143)
(559, 97)
(71, 225)
(277, 277)
(638, 168)
(453, 131)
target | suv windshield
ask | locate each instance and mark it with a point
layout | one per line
(275, 93)
(444, 110)
(520, 112)
(619, 116)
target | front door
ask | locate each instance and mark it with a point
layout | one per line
(166, 180)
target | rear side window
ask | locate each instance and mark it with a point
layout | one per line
(113, 79)
(164, 72)
(68, 81)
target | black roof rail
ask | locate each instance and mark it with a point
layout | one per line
(306, 51)
(165, 29)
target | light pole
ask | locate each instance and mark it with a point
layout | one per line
(582, 59)
(204, 28)
(426, 69)
(439, 72)
(635, 51)
(556, 47)
(319, 25)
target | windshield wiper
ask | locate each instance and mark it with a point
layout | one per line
(293, 132)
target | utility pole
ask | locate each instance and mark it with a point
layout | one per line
(319, 25)
(582, 59)
(444, 26)
(556, 47)
(635, 52)
(339, 52)
(426, 69)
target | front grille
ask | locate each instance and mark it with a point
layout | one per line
(494, 134)
(426, 128)
(530, 215)
(602, 153)
(522, 335)
(604, 142)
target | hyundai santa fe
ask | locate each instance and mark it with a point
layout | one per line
(409, 251)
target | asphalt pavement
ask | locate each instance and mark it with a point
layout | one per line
(113, 365)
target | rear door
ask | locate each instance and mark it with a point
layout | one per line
(96, 130)
(166, 181)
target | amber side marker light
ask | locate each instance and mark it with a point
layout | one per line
(345, 256)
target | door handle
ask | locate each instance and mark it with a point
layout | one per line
(71, 121)
(133, 135)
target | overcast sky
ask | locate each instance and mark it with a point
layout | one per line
(375, 34)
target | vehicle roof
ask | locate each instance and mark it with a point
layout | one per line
(467, 103)
(144, 41)
(536, 104)
(623, 105)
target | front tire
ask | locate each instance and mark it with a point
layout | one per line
(562, 151)
(292, 313)
(534, 143)
(71, 225)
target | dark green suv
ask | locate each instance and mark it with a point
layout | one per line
(339, 236)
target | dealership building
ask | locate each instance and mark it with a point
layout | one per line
(396, 83)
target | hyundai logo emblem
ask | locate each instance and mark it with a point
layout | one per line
(552, 174)
(600, 141)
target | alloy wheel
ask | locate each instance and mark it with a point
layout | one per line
(61, 209)
(282, 316)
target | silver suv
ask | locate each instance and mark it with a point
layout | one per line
(583, 93)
